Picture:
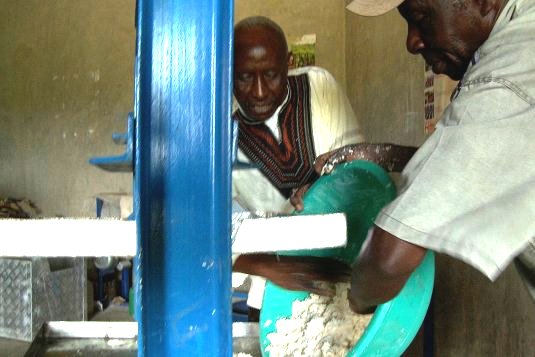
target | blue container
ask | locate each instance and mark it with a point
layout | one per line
(360, 189)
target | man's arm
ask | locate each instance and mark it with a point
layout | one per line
(302, 273)
(383, 267)
(391, 157)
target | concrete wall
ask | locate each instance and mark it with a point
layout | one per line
(325, 18)
(66, 84)
(384, 83)
(473, 316)
(476, 317)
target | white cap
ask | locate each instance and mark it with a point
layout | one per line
(372, 7)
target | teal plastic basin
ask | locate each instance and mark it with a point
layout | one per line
(360, 189)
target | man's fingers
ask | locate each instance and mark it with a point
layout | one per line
(297, 202)
(297, 197)
(337, 157)
(318, 288)
(322, 291)
(341, 278)
(334, 277)
(331, 267)
(312, 274)
(320, 162)
(301, 282)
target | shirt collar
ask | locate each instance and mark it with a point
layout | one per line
(508, 12)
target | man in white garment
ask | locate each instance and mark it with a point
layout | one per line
(284, 122)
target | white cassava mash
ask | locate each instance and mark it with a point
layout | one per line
(319, 327)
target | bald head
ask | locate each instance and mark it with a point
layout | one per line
(261, 25)
(260, 66)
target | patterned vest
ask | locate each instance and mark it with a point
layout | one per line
(290, 163)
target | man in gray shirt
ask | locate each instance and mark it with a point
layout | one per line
(469, 191)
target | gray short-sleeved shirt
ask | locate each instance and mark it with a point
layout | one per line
(469, 191)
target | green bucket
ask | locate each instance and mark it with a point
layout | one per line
(360, 189)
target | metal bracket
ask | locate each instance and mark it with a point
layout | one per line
(124, 162)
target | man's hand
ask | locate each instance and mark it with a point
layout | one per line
(390, 157)
(329, 159)
(326, 163)
(296, 199)
(296, 273)
(383, 266)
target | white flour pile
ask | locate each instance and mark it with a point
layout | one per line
(319, 327)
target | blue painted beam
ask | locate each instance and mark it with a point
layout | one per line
(182, 177)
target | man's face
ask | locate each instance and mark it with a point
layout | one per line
(445, 32)
(260, 72)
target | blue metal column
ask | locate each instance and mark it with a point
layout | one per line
(182, 177)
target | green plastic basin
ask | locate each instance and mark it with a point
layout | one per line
(360, 189)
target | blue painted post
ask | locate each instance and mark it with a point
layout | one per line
(182, 177)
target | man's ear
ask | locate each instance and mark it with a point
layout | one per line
(487, 6)
(290, 59)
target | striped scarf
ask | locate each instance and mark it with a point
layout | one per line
(287, 164)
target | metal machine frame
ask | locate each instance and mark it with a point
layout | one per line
(182, 177)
